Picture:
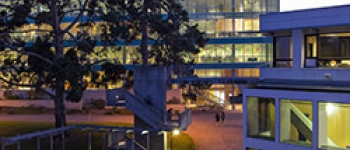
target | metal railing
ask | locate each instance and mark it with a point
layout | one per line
(113, 137)
(185, 119)
(211, 98)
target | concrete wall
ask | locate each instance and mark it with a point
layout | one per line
(320, 17)
(174, 93)
(93, 94)
(86, 99)
(38, 103)
(333, 74)
(150, 83)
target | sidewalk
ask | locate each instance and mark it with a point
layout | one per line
(208, 136)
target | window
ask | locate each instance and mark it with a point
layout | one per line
(283, 52)
(296, 122)
(261, 118)
(330, 50)
(333, 125)
(311, 46)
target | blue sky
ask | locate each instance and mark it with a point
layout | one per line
(288, 5)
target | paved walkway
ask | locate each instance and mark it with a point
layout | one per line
(208, 136)
(203, 130)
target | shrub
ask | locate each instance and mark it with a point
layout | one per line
(9, 96)
(35, 95)
(99, 103)
(122, 111)
(28, 110)
(174, 100)
(70, 111)
(14, 97)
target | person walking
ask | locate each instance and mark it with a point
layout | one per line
(217, 118)
(222, 117)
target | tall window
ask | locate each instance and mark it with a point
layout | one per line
(296, 122)
(333, 126)
(261, 118)
(283, 55)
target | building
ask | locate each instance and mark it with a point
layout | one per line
(302, 101)
(231, 25)
(236, 51)
(235, 48)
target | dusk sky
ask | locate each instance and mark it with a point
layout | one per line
(288, 5)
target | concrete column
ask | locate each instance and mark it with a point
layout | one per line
(150, 84)
(298, 48)
(322, 125)
(285, 122)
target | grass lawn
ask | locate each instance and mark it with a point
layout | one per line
(77, 140)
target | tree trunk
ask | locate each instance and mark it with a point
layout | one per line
(60, 115)
(144, 38)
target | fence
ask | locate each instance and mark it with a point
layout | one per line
(116, 138)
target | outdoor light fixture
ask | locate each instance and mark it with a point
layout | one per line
(129, 131)
(176, 132)
(144, 132)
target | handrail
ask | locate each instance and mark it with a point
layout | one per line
(140, 146)
(138, 99)
(307, 122)
(213, 98)
(38, 133)
(148, 114)
(185, 119)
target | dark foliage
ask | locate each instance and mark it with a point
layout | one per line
(57, 61)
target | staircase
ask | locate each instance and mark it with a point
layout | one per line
(212, 99)
(154, 118)
(304, 124)
(143, 110)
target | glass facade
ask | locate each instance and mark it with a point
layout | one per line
(261, 118)
(226, 22)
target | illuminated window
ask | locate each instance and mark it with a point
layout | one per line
(333, 126)
(261, 118)
(296, 122)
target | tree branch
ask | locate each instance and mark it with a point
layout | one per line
(77, 18)
(72, 36)
(33, 54)
(16, 83)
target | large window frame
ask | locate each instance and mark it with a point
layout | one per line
(282, 62)
(337, 59)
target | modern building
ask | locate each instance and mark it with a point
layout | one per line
(235, 48)
(302, 101)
